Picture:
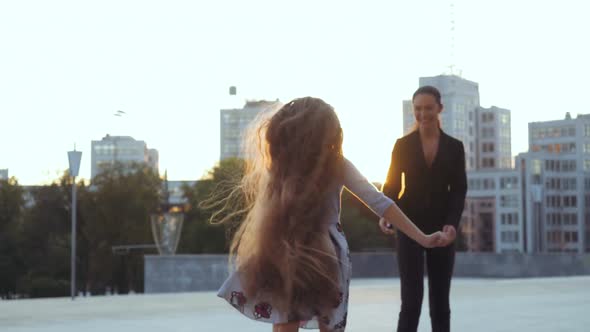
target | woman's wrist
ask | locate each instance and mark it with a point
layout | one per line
(422, 238)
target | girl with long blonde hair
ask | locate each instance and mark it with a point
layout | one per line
(291, 259)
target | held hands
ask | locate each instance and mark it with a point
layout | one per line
(440, 239)
(437, 239)
(433, 240)
(450, 233)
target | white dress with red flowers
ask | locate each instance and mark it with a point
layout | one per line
(261, 307)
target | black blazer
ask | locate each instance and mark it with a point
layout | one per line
(435, 196)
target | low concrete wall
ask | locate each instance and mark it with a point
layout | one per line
(187, 273)
(482, 265)
(521, 266)
(184, 273)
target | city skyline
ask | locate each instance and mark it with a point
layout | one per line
(66, 72)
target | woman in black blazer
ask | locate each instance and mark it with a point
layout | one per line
(427, 180)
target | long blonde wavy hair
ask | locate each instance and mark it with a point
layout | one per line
(283, 247)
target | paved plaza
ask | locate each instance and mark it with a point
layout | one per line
(484, 305)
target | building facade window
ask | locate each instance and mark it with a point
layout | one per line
(536, 167)
(487, 117)
(489, 184)
(505, 132)
(561, 131)
(504, 119)
(487, 132)
(509, 218)
(508, 182)
(488, 162)
(509, 201)
(570, 201)
(509, 236)
(488, 147)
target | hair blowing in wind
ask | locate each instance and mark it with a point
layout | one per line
(282, 246)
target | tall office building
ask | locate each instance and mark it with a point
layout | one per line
(408, 116)
(235, 122)
(493, 219)
(493, 138)
(122, 149)
(556, 185)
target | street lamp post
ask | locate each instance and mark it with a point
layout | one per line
(74, 158)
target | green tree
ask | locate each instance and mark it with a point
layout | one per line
(117, 210)
(361, 226)
(45, 241)
(11, 209)
(199, 234)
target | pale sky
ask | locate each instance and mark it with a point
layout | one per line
(67, 66)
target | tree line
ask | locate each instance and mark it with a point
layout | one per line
(35, 229)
